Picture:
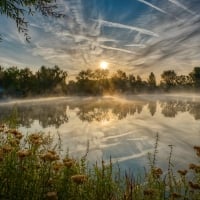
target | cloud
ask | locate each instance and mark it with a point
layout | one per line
(135, 45)
(116, 49)
(178, 4)
(122, 26)
(153, 6)
(136, 42)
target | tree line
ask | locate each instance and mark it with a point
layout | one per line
(98, 82)
(23, 82)
(53, 81)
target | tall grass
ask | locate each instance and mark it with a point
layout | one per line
(32, 168)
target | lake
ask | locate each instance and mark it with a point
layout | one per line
(122, 127)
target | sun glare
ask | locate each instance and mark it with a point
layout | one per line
(104, 65)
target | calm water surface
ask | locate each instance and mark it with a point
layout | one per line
(121, 127)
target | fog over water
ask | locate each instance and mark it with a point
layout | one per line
(121, 127)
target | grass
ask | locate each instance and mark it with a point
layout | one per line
(31, 168)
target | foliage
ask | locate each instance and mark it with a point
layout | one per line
(18, 10)
(23, 82)
(33, 168)
(168, 79)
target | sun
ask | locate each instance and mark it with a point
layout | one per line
(104, 65)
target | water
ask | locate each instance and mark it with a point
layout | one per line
(121, 127)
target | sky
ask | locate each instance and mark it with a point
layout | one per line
(136, 36)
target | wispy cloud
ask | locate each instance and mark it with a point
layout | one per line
(134, 42)
(180, 5)
(153, 6)
(116, 49)
(135, 45)
(122, 26)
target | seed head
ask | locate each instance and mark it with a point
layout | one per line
(52, 195)
(57, 166)
(7, 148)
(23, 153)
(157, 172)
(182, 172)
(194, 186)
(79, 178)
(49, 157)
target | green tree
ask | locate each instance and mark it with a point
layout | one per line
(48, 79)
(168, 79)
(120, 81)
(18, 10)
(131, 83)
(195, 75)
(151, 81)
(10, 80)
(85, 84)
(26, 78)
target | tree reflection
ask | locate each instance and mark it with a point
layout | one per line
(47, 115)
(54, 114)
(152, 108)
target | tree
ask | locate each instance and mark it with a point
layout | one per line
(152, 81)
(18, 10)
(119, 80)
(168, 79)
(195, 75)
(50, 78)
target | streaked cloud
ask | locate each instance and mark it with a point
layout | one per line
(180, 5)
(153, 6)
(122, 26)
(116, 49)
(130, 37)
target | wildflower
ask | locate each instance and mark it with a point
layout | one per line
(194, 186)
(23, 153)
(157, 172)
(35, 139)
(57, 166)
(49, 157)
(52, 195)
(13, 131)
(52, 152)
(182, 172)
(79, 179)
(68, 162)
(19, 135)
(7, 148)
(194, 167)
(14, 142)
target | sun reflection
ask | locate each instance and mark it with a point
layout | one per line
(108, 118)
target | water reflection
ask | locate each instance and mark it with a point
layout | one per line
(56, 113)
(47, 115)
(123, 128)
